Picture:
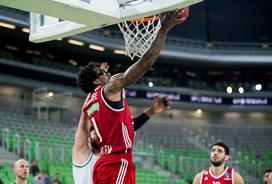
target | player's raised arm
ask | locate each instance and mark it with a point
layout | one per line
(138, 69)
(81, 137)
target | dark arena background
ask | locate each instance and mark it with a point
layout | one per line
(217, 68)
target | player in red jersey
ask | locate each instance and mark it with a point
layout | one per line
(109, 113)
(218, 173)
(86, 151)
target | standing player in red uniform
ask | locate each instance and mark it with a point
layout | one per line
(218, 173)
(109, 113)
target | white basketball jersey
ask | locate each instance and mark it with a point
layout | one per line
(83, 173)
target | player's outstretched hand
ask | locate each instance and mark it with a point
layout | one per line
(174, 18)
(104, 66)
(159, 104)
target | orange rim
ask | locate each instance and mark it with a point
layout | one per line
(145, 19)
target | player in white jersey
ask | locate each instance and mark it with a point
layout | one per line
(86, 151)
(83, 165)
(21, 171)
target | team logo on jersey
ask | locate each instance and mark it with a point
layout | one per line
(227, 175)
(206, 178)
(93, 108)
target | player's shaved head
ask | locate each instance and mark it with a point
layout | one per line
(19, 162)
(21, 169)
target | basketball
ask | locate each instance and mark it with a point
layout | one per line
(184, 13)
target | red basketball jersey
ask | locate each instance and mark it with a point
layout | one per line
(114, 127)
(225, 178)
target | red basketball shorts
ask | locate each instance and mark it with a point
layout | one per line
(109, 170)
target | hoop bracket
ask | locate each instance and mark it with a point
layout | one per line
(132, 3)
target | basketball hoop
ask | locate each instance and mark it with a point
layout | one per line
(146, 19)
(139, 34)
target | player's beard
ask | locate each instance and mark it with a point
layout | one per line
(22, 177)
(95, 146)
(218, 163)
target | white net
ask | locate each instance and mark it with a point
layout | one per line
(139, 34)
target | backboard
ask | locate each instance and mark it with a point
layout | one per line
(77, 16)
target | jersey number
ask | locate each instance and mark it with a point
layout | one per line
(215, 182)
